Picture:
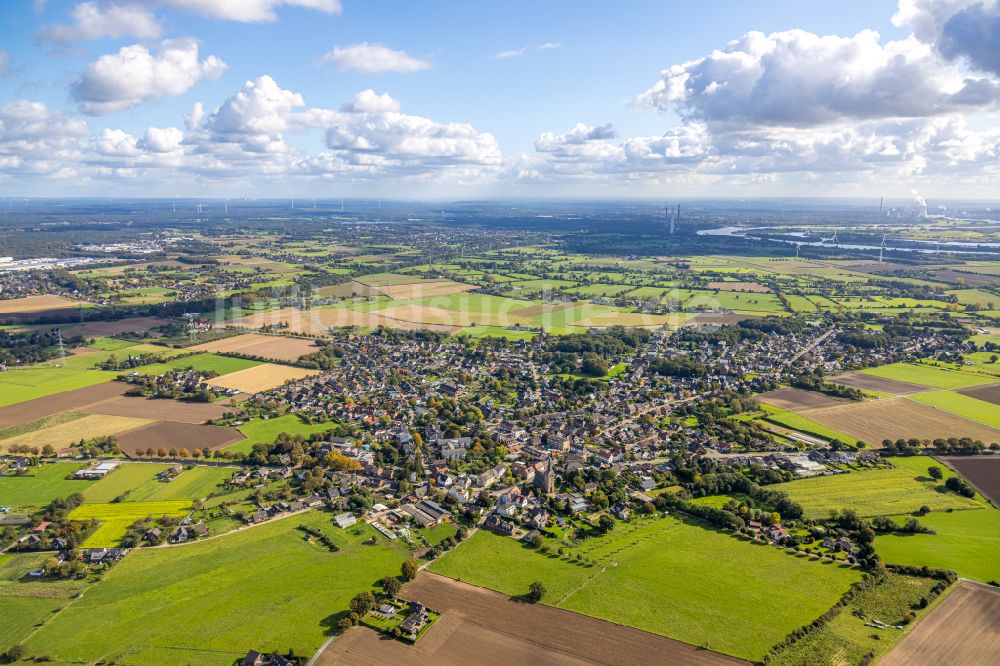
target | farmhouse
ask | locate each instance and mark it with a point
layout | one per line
(427, 512)
(98, 471)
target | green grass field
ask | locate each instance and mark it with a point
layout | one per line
(128, 476)
(34, 490)
(967, 542)
(208, 603)
(116, 518)
(265, 431)
(881, 492)
(654, 575)
(37, 381)
(205, 362)
(192, 484)
(23, 605)
(927, 375)
(963, 405)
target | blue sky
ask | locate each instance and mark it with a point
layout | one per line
(828, 108)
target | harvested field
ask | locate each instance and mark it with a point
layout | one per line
(176, 436)
(963, 629)
(751, 287)
(898, 417)
(986, 393)
(318, 321)
(60, 402)
(262, 377)
(983, 472)
(109, 328)
(865, 382)
(278, 347)
(67, 434)
(32, 304)
(484, 627)
(798, 399)
(174, 411)
(425, 314)
(425, 289)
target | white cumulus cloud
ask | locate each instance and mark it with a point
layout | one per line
(95, 21)
(248, 11)
(374, 59)
(798, 79)
(135, 75)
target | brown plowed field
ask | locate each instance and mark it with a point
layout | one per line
(893, 418)
(277, 347)
(797, 399)
(60, 402)
(177, 436)
(486, 628)
(963, 630)
(160, 410)
(986, 392)
(982, 471)
(865, 382)
(109, 328)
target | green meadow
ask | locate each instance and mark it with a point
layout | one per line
(209, 602)
(879, 492)
(928, 375)
(654, 574)
(126, 477)
(265, 431)
(191, 484)
(40, 486)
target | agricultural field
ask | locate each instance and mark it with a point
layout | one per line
(927, 375)
(55, 403)
(962, 405)
(38, 381)
(204, 362)
(279, 592)
(261, 377)
(191, 484)
(893, 418)
(124, 478)
(116, 518)
(178, 436)
(639, 564)
(881, 492)
(32, 491)
(789, 419)
(281, 348)
(68, 434)
(31, 304)
(964, 541)
(160, 410)
(866, 382)
(980, 471)
(483, 627)
(962, 629)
